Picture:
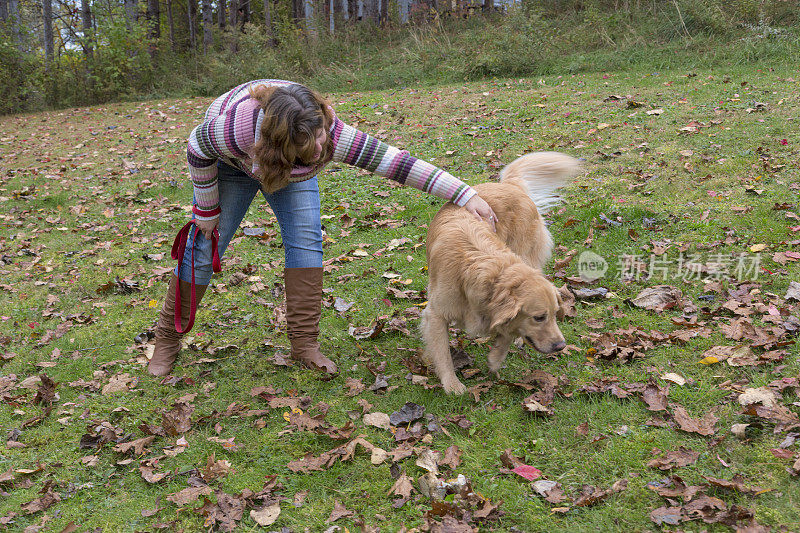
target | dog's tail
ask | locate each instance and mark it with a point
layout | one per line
(543, 174)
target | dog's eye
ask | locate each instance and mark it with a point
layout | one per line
(540, 318)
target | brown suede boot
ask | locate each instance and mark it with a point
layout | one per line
(168, 341)
(303, 307)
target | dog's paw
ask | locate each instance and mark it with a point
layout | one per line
(495, 364)
(454, 387)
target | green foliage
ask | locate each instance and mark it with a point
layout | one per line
(536, 39)
(16, 91)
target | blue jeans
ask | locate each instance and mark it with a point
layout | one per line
(296, 206)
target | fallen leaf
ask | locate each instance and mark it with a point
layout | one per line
(675, 459)
(591, 495)
(119, 383)
(735, 484)
(267, 515)
(429, 460)
(48, 498)
(138, 446)
(528, 472)
(675, 487)
(150, 475)
(793, 292)
(215, 469)
(667, 515)
(378, 420)
(549, 490)
(658, 298)
(402, 488)
(378, 456)
(701, 426)
(189, 495)
(761, 395)
(339, 511)
(452, 457)
(675, 378)
(407, 414)
(178, 419)
(655, 396)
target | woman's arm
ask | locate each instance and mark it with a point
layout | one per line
(230, 135)
(355, 147)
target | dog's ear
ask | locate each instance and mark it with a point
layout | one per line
(560, 310)
(504, 306)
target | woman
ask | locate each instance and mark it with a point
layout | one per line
(274, 136)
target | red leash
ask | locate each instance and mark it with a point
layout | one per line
(178, 250)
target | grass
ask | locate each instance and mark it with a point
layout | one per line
(90, 219)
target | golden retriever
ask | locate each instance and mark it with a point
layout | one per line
(491, 284)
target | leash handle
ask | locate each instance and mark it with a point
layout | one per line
(178, 251)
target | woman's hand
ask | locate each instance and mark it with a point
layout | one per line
(478, 207)
(207, 227)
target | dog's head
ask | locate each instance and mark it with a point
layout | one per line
(524, 304)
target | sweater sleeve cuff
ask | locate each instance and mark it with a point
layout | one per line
(206, 214)
(465, 196)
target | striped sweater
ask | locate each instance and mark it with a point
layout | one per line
(231, 129)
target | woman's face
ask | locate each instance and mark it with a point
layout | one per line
(320, 141)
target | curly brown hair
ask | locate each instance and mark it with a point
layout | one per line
(293, 114)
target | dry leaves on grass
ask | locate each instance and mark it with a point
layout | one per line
(736, 484)
(137, 446)
(310, 463)
(551, 491)
(658, 298)
(702, 426)
(675, 487)
(177, 420)
(339, 511)
(515, 465)
(674, 459)
(267, 515)
(591, 495)
(458, 506)
(46, 500)
(402, 488)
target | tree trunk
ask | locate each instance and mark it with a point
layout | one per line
(339, 8)
(3, 10)
(384, 11)
(171, 24)
(47, 19)
(222, 14)
(233, 16)
(268, 22)
(371, 11)
(488, 5)
(309, 15)
(298, 7)
(191, 13)
(244, 13)
(154, 18)
(403, 8)
(352, 10)
(208, 23)
(86, 20)
(233, 21)
(131, 13)
(11, 8)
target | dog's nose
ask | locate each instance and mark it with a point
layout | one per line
(558, 346)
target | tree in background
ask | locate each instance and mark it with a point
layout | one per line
(93, 50)
(47, 22)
